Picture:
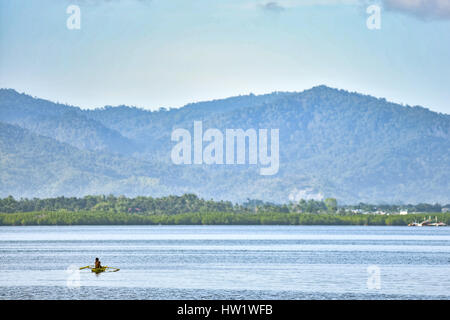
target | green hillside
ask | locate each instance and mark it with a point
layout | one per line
(333, 143)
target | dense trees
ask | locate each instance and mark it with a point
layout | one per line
(63, 217)
(121, 204)
(190, 209)
(331, 204)
(192, 203)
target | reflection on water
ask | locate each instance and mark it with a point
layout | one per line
(225, 262)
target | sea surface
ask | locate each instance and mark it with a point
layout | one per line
(225, 262)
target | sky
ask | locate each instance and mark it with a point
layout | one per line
(167, 53)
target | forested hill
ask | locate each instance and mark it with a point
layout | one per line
(333, 143)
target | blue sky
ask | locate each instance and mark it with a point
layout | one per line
(166, 53)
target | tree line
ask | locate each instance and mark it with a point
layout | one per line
(191, 203)
(205, 218)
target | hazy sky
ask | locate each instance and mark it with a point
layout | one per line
(166, 53)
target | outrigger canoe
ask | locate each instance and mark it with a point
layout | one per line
(102, 269)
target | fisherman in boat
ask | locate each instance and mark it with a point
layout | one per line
(97, 263)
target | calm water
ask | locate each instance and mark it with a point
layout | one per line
(226, 262)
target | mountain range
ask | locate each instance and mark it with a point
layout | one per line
(333, 143)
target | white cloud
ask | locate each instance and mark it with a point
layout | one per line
(298, 3)
(425, 9)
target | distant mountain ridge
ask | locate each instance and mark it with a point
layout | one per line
(62, 122)
(333, 143)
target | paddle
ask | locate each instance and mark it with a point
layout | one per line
(116, 269)
(85, 267)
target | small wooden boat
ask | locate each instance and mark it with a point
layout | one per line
(101, 269)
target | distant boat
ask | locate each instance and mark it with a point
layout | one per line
(427, 223)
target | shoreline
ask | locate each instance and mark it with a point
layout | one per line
(96, 218)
